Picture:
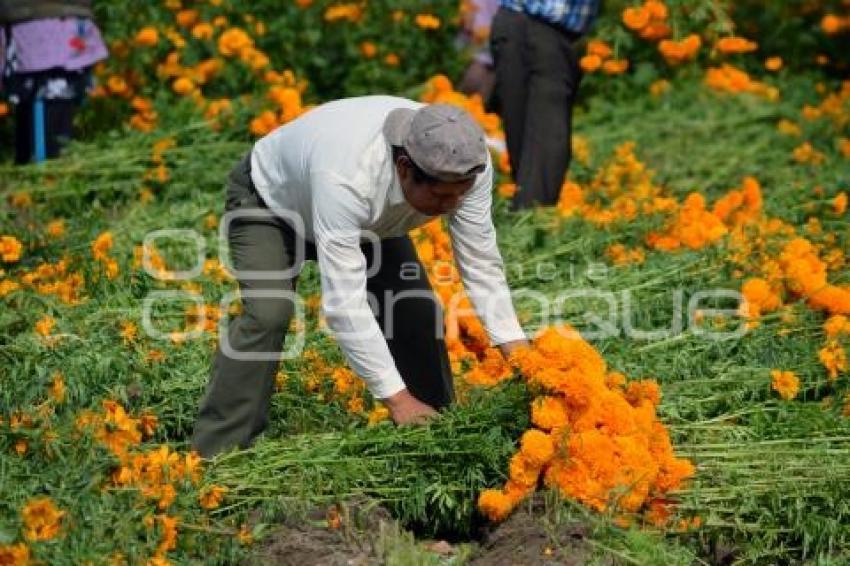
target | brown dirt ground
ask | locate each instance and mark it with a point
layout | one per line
(521, 540)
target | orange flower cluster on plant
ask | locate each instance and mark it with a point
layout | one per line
(734, 44)
(55, 279)
(648, 21)
(678, 52)
(786, 383)
(100, 252)
(833, 355)
(599, 57)
(597, 438)
(621, 190)
(730, 79)
(350, 12)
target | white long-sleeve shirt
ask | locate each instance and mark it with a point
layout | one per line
(333, 168)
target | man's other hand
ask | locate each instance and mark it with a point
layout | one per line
(407, 409)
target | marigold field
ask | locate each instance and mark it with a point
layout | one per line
(687, 401)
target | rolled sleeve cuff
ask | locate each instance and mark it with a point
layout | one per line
(504, 331)
(387, 385)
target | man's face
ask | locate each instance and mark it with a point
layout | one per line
(431, 199)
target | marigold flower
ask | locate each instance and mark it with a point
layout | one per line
(337, 12)
(494, 504)
(186, 18)
(839, 203)
(368, 49)
(537, 447)
(615, 66)
(234, 41)
(731, 45)
(212, 497)
(183, 86)
(636, 17)
(590, 63)
(786, 383)
(427, 21)
(45, 325)
(773, 64)
(203, 31)
(147, 37)
(392, 60)
(15, 554)
(10, 249)
(832, 24)
(41, 519)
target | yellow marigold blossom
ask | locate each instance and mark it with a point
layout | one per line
(15, 554)
(56, 228)
(599, 48)
(832, 24)
(659, 87)
(836, 326)
(368, 49)
(147, 37)
(844, 147)
(773, 64)
(350, 12)
(4, 111)
(10, 249)
(590, 63)
(615, 66)
(537, 447)
(21, 446)
(786, 383)
(427, 21)
(636, 17)
(45, 325)
(789, 128)
(203, 31)
(392, 60)
(378, 414)
(807, 154)
(212, 497)
(731, 45)
(57, 388)
(234, 41)
(101, 245)
(7, 286)
(21, 199)
(41, 519)
(677, 52)
(833, 356)
(186, 18)
(183, 86)
(839, 203)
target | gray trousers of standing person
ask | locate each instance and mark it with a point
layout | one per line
(235, 406)
(537, 79)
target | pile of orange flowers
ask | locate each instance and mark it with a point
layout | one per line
(730, 79)
(596, 437)
(55, 279)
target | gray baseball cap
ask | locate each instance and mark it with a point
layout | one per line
(443, 140)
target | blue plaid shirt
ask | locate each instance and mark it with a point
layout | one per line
(574, 15)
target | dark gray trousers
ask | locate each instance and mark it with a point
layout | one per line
(235, 406)
(537, 78)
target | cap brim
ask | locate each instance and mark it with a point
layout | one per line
(397, 125)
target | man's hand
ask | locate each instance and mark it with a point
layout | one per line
(407, 409)
(508, 348)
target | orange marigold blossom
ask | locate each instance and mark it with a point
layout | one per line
(786, 383)
(41, 519)
(10, 249)
(147, 37)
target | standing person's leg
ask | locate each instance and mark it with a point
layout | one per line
(510, 91)
(236, 403)
(23, 131)
(411, 317)
(58, 124)
(553, 84)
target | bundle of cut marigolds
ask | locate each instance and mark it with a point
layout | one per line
(596, 438)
